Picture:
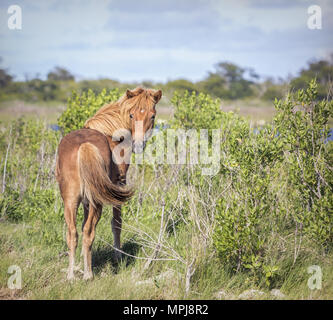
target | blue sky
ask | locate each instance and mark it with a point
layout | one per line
(162, 40)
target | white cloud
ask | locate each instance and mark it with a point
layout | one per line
(270, 15)
(241, 14)
(132, 40)
(59, 22)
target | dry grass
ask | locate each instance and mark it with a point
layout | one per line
(49, 111)
(255, 110)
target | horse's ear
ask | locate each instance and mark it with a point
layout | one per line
(157, 96)
(129, 94)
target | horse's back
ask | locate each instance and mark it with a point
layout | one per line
(75, 138)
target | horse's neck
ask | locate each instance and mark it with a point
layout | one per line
(108, 121)
(114, 138)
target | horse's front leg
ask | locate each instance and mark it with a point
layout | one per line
(116, 220)
(116, 229)
(118, 176)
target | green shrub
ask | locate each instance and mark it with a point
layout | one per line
(194, 111)
(293, 153)
(247, 160)
(29, 148)
(302, 122)
(242, 215)
(81, 107)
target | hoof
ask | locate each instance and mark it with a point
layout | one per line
(70, 277)
(117, 256)
(88, 276)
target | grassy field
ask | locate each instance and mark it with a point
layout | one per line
(44, 264)
(168, 227)
(49, 111)
(255, 110)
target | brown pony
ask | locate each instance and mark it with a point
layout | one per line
(88, 170)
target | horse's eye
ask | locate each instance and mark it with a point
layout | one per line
(153, 117)
(131, 116)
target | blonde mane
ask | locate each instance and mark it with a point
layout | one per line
(116, 115)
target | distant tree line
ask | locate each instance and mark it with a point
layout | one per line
(229, 82)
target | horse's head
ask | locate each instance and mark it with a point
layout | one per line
(142, 115)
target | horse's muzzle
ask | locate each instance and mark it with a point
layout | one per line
(138, 146)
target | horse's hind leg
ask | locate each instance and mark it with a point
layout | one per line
(85, 204)
(89, 228)
(72, 236)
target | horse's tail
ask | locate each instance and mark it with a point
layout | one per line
(95, 183)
